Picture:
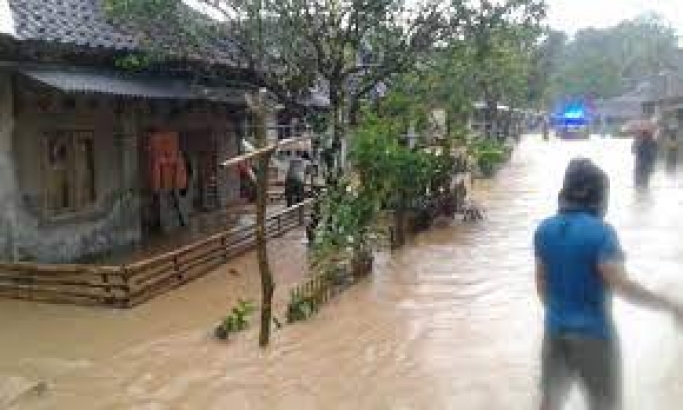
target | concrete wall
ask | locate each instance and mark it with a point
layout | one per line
(202, 123)
(7, 180)
(228, 179)
(114, 221)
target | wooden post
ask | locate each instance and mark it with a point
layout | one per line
(262, 155)
(301, 214)
(176, 267)
(258, 108)
(224, 247)
(105, 281)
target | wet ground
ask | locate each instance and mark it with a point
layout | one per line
(449, 322)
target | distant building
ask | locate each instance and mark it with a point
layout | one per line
(509, 123)
(665, 107)
(610, 115)
(667, 99)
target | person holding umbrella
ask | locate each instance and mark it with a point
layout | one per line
(644, 149)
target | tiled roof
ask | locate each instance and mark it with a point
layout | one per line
(82, 80)
(75, 22)
(84, 23)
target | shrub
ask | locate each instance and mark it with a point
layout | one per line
(237, 320)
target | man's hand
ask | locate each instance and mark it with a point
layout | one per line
(615, 276)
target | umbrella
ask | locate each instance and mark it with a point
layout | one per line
(639, 127)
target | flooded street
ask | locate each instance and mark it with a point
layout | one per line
(449, 322)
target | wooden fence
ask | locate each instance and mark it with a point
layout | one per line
(307, 298)
(77, 284)
(131, 284)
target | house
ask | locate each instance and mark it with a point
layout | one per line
(509, 122)
(95, 158)
(611, 114)
(665, 106)
(666, 102)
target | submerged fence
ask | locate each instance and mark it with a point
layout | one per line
(128, 285)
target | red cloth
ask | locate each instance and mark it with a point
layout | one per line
(167, 167)
(245, 170)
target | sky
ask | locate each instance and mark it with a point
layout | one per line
(5, 24)
(572, 15)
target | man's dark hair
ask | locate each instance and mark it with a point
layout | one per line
(585, 188)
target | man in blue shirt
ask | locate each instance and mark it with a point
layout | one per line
(579, 264)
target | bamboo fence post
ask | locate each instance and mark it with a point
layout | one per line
(224, 248)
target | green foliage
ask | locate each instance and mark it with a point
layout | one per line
(347, 217)
(319, 122)
(141, 10)
(499, 64)
(386, 175)
(289, 45)
(603, 63)
(405, 107)
(503, 67)
(301, 307)
(391, 173)
(237, 320)
(545, 61)
(134, 62)
(488, 154)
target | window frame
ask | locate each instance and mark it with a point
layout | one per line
(76, 190)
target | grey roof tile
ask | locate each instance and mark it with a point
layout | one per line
(84, 23)
(78, 22)
(82, 80)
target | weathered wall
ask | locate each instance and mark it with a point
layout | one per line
(228, 178)
(7, 181)
(202, 122)
(113, 222)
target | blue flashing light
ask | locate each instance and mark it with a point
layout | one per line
(574, 114)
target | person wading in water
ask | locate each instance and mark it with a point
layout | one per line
(545, 128)
(645, 150)
(579, 264)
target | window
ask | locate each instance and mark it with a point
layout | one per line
(70, 171)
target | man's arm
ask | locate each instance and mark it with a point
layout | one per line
(614, 274)
(540, 280)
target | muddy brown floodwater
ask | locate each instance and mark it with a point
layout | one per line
(449, 322)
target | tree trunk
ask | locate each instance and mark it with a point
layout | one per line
(354, 113)
(492, 118)
(267, 282)
(400, 222)
(337, 103)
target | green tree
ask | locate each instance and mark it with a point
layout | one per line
(348, 47)
(545, 62)
(603, 63)
(502, 70)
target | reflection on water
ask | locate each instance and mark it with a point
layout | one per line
(449, 322)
